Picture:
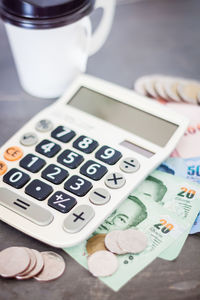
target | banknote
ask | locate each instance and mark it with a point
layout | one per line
(162, 227)
(187, 168)
(190, 142)
(175, 194)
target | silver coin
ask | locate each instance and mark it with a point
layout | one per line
(31, 265)
(159, 87)
(37, 268)
(13, 260)
(150, 86)
(132, 241)
(139, 86)
(103, 263)
(54, 266)
(111, 242)
(189, 91)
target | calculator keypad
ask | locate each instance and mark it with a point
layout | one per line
(70, 159)
(29, 139)
(54, 174)
(38, 190)
(32, 163)
(93, 170)
(48, 148)
(16, 178)
(62, 202)
(115, 180)
(85, 144)
(44, 125)
(108, 155)
(78, 186)
(63, 134)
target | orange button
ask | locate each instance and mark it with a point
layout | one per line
(13, 153)
(3, 167)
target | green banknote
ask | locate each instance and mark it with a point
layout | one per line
(161, 226)
(175, 194)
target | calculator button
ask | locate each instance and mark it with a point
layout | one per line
(16, 178)
(62, 202)
(78, 218)
(48, 148)
(13, 153)
(25, 208)
(78, 186)
(38, 190)
(108, 155)
(93, 170)
(29, 139)
(32, 163)
(3, 167)
(70, 159)
(99, 196)
(63, 134)
(129, 165)
(85, 144)
(54, 174)
(115, 180)
(44, 125)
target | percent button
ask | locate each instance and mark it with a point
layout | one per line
(129, 165)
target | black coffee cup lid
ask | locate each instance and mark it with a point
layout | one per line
(43, 14)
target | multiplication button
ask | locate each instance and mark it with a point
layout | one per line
(78, 218)
(62, 202)
(129, 165)
(38, 190)
(115, 180)
(99, 196)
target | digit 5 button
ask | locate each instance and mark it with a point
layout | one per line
(13, 153)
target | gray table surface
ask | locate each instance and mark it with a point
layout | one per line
(147, 37)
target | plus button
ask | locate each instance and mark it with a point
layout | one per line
(78, 217)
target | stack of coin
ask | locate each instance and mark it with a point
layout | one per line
(102, 248)
(165, 89)
(24, 263)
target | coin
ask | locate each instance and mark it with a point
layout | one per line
(31, 265)
(95, 243)
(150, 86)
(54, 266)
(103, 263)
(139, 86)
(13, 260)
(132, 241)
(111, 242)
(189, 91)
(159, 88)
(37, 268)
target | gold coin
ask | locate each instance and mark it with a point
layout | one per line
(96, 243)
(189, 91)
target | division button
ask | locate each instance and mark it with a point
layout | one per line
(32, 163)
(78, 218)
(13, 153)
(16, 178)
(25, 208)
(115, 180)
(38, 190)
(3, 167)
(63, 134)
(44, 125)
(129, 165)
(29, 139)
(99, 196)
(62, 202)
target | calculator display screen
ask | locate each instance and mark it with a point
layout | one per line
(132, 119)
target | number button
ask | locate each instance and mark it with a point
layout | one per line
(78, 186)
(63, 134)
(32, 163)
(38, 190)
(85, 144)
(93, 170)
(62, 202)
(48, 148)
(55, 174)
(16, 178)
(70, 159)
(108, 155)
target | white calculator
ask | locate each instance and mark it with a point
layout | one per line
(71, 165)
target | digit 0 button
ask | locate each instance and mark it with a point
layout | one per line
(129, 165)
(3, 167)
(44, 125)
(13, 153)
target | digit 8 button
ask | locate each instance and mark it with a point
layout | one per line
(13, 153)
(3, 167)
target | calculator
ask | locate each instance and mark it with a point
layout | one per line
(73, 164)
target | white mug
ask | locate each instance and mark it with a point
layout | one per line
(48, 60)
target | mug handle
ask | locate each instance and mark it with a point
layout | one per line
(101, 33)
